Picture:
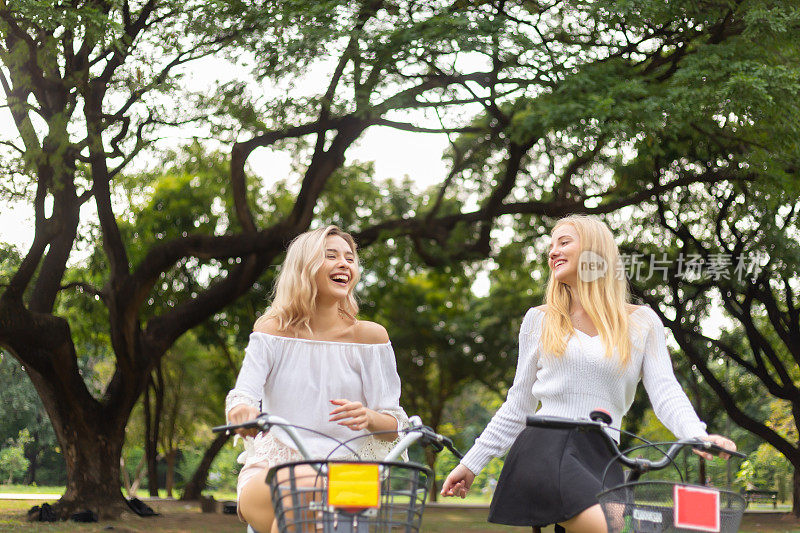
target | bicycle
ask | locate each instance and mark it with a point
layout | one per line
(656, 506)
(345, 496)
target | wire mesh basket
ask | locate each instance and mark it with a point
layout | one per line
(649, 507)
(300, 496)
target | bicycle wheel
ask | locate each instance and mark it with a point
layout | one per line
(648, 507)
(300, 498)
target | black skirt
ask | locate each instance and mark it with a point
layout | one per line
(552, 475)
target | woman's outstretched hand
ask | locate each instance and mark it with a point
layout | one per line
(722, 442)
(458, 482)
(243, 413)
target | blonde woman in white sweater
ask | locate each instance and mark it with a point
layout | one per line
(586, 349)
(312, 362)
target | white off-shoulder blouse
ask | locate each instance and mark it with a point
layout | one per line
(296, 379)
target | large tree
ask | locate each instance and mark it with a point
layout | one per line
(542, 97)
(729, 250)
(743, 246)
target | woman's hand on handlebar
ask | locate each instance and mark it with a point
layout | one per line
(722, 442)
(458, 482)
(240, 414)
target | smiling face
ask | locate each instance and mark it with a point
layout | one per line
(564, 254)
(336, 276)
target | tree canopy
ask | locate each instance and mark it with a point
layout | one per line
(550, 108)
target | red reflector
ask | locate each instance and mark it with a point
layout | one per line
(696, 508)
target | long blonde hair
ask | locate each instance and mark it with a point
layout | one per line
(604, 297)
(295, 293)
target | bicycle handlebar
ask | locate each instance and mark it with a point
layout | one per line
(415, 432)
(637, 464)
(264, 422)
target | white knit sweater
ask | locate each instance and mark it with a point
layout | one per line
(584, 379)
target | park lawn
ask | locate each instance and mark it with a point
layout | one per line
(175, 517)
(31, 489)
(181, 517)
(220, 495)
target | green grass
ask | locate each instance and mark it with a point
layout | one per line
(219, 495)
(179, 517)
(30, 489)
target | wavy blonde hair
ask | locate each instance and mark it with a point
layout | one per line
(604, 299)
(295, 293)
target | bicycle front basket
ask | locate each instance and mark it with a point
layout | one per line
(648, 507)
(300, 498)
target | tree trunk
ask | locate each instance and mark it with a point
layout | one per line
(152, 426)
(137, 478)
(150, 445)
(170, 481)
(90, 434)
(701, 471)
(32, 455)
(430, 459)
(796, 492)
(93, 474)
(196, 485)
(126, 479)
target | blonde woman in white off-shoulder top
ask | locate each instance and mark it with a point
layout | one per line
(310, 361)
(586, 349)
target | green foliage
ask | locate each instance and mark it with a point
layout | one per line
(9, 262)
(13, 463)
(187, 464)
(224, 470)
(766, 468)
(24, 423)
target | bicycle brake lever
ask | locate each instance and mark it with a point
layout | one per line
(431, 438)
(261, 422)
(450, 446)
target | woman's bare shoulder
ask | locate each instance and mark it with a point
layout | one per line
(542, 308)
(366, 332)
(268, 326)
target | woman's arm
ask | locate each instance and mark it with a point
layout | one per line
(670, 403)
(382, 412)
(355, 416)
(243, 402)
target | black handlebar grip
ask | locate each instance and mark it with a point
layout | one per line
(554, 422)
(450, 446)
(455, 452)
(254, 423)
(716, 450)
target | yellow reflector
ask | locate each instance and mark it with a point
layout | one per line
(353, 485)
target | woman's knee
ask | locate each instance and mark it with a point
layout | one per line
(591, 520)
(255, 505)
